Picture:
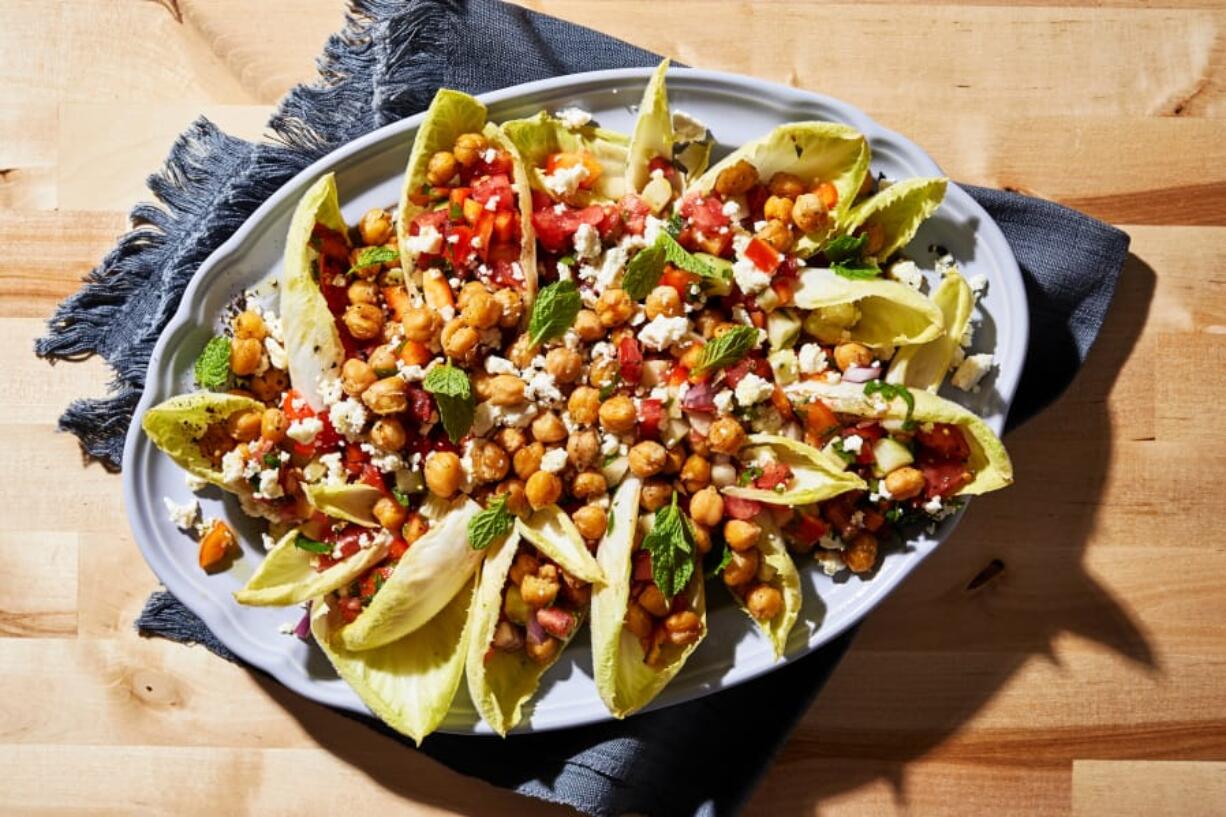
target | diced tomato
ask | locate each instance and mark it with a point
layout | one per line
(351, 608)
(944, 477)
(332, 245)
(773, 475)
(397, 548)
(500, 164)
(483, 234)
(374, 579)
(739, 508)
(706, 214)
(763, 255)
(430, 218)
(504, 226)
(819, 419)
(634, 214)
(610, 227)
(421, 404)
(555, 621)
(294, 407)
(630, 358)
(374, 478)
(328, 439)
(355, 459)
(828, 193)
(651, 416)
(869, 432)
(663, 165)
(808, 530)
(642, 566)
(944, 442)
(554, 228)
(678, 279)
(735, 374)
(346, 542)
(457, 251)
(495, 187)
(471, 211)
(502, 272)
(678, 374)
(559, 161)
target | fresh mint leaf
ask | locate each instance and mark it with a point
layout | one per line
(368, 256)
(675, 225)
(554, 312)
(304, 542)
(213, 365)
(890, 391)
(856, 270)
(491, 524)
(714, 567)
(671, 545)
(727, 349)
(844, 247)
(272, 460)
(643, 272)
(749, 475)
(453, 393)
(681, 258)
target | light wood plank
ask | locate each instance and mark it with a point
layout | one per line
(38, 588)
(1139, 788)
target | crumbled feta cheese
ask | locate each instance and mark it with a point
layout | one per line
(489, 156)
(183, 516)
(968, 335)
(513, 416)
(753, 389)
(330, 390)
(830, 542)
(812, 359)
(348, 418)
(723, 401)
(748, 277)
(268, 542)
(542, 387)
(194, 483)
(652, 227)
(385, 461)
(933, 506)
(662, 332)
(304, 430)
(276, 353)
(491, 203)
(483, 418)
(336, 469)
(499, 365)
(273, 324)
(880, 492)
(428, 241)
(233, 467)
(734, 209)
(831, 561)
(573, 118)
(554, 460)
(270, 484)
(565, 181)
(978, 285)
(609, 443)
(971, 371)
(603, 348)
(410, 374)
(687, 127)
(853, 443)
(906, 272)
(587, 241)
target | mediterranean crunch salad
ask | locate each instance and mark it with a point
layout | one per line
(579, 378)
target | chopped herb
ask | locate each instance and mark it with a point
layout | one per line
(378, 581)
(368, 256)
(456, 212)
(606, 391)
(304, 542)
(889, 391)
(748, 475)
(609, 459)
(844, 247)
(554, 312)
(401, 497)
(213, 365)
(491, 524)
(272, 460)
(727, 349)
(716, 567)
(644, 270)
(671, 545)
(675, 225)
(856, 270)
(453, 394)
(568, 260)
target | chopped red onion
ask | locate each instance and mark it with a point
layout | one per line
(862, 374)
(699, 397)
(303, 628)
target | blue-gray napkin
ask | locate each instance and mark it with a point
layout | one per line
(385, 65)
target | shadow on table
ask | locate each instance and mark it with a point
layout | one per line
(1000, 591)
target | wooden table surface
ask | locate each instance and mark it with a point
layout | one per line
(1087, 677)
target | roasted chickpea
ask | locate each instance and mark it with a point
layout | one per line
(468, 291)
(691, 358)
(375, 227)
(589, 484)
(364, 321)
(591, 521)
(421, 325)
(363, 292)
(736, 179)
(249, 324)
(904, 483)
(507, 637)
(269, 386)
(852, 354)
(459, 340)
(273, 425)
(778, 234)
(245, 426)
(875, 238)
(542, 652)
(245, 354)
(584, 405)
(786, 185)
(707, 507)
(726, 436)
(778, 209)
(588, 326)
(706, 321)
(638, 621)
(539, 589)
(698, 443)
(764, 602)
(511, 439)
(656, 494)
(861, 554)
(522, 351)
(564, 364)
(603, 371)
(357, 376)
(490, 461)
(663, 300)
(388, 433)
(469, 147)
(525, 564)
(653, 601)
(614, 307)
(443, 473)
(390, 513)
(542, 488)
(517, 500)
(809, 213)
(506, 390)
(383, 361)
(527, 460)
(741, 568)
(387, 396)
(512, 306)
(617, 414)
(441, 168)
(702, 539)
(583, 449)
(482, 311)
(547, 428)
(647, 458)
(696, 473)
(741, 534)
(414, 528)
(683, 628)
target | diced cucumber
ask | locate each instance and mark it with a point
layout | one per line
(785, 366)
(782, 328)
(889, 455)
(716, 286)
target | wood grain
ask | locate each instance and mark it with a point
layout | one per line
(1083, 673)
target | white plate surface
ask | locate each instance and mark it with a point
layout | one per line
(368, 174)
